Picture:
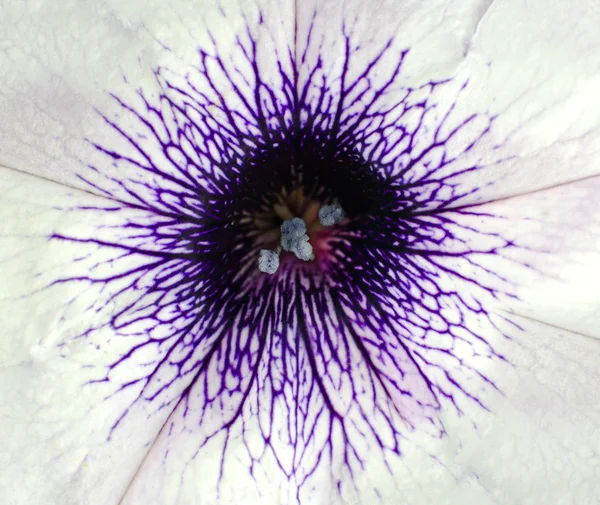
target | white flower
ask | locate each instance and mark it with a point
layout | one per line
(483, 121)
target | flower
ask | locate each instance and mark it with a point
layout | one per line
(385, 357)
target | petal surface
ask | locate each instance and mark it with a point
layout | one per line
(555, 264)
(59, 86)
(57, 403)
(520, 91)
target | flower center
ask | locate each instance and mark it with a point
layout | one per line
(295, 229)
(295, 234)
(303, 202)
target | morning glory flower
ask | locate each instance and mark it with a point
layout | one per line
(309, 253)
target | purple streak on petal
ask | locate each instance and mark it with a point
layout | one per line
(363, 348)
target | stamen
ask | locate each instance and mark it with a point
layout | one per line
(304, 250)
(268, 261)
(292, 231)
(331, 214)
(295, 239)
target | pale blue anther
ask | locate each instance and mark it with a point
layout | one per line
(292, 231)
(303, 250)
(295, 239)
(330, 215)
(268, 261)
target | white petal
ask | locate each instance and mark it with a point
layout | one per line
(555, 262)
(539, 443)
(65, 60)
(534, 65)
(56, 423)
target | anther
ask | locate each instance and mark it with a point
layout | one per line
(330, 215)
(295, 239)
(268, 261)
